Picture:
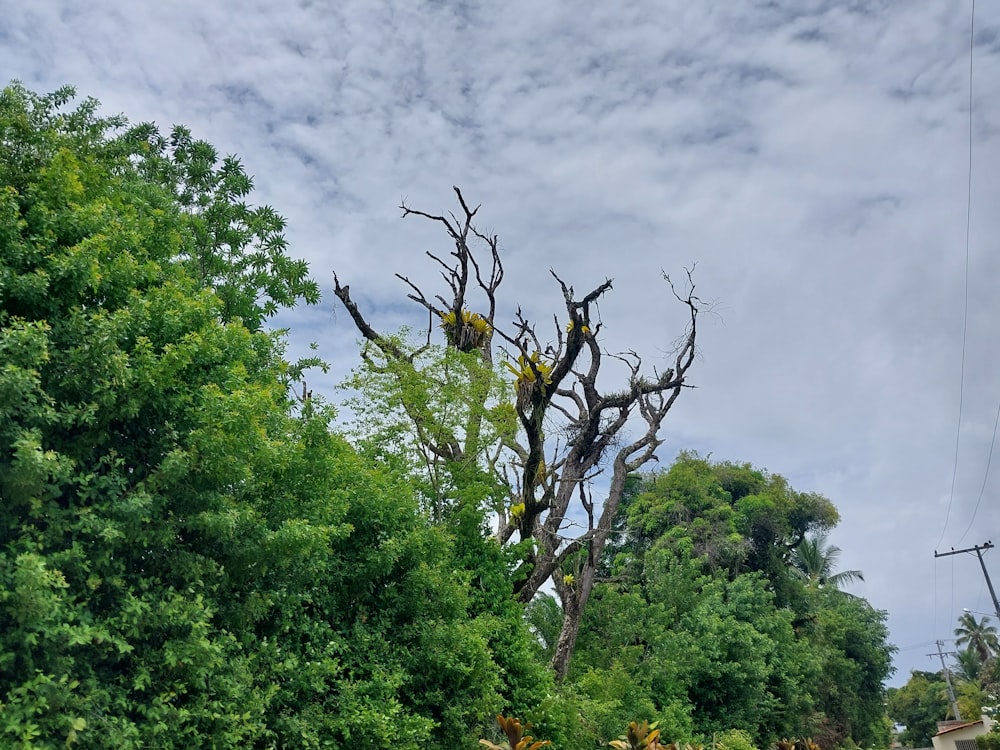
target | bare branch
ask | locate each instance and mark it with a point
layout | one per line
(418, 296)
(407, 211)
(461, 199)
(557, 384)
(344, 295)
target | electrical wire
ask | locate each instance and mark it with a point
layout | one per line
(986, 476)
(937, 609)
(915, 646)
(965, 316)
(968, 224)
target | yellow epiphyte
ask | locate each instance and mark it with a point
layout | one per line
(527, 374)
(476, 321)
(467, 330)
(517, 510)
(528, 366)
(585, 328)
(472, 319)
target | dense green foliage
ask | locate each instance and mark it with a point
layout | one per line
(989, 681)
(702, 610)
(919, 706)
(924, 701)
(187, 559)
(192, 557)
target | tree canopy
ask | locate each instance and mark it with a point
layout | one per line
(919, 706)
(193, 555)
(189, 556)
(977, 634)
(717, 630)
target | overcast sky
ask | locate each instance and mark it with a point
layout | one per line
(811, 157)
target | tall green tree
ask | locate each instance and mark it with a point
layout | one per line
(919, 706)
(136, 416)
(978, 634)
(189, 557)
(697, 601)
(738, 518)
(968, 664)
(851, 640)
(815, 561)
(973, 700)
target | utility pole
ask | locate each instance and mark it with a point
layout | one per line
(947, 679)
(978, 549)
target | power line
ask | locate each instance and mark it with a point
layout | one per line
(989, 460)
(915, 646)
(965, 315)
(936, 608)
(968, 230)
(978, 549)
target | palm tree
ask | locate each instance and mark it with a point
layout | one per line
(978, 634)
(814, 561)
(968, 664)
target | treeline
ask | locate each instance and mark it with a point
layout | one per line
(195, 552)
(926, 698)
(715, 613)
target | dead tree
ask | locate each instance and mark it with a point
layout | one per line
(555, 382)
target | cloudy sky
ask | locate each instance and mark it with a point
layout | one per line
(810, 156)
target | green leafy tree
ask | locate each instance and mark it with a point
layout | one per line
(919, 706)
(746, 669)
(109, 606)
(973, 701)
(188, 556)
(851, 639)
(455, 495)
(737, 518)
(698, 600)
(544, 617)
(236, 249)
(708, 653)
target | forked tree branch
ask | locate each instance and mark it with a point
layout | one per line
(557, 380)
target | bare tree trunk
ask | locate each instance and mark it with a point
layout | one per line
(555, 382)
(574, 597)
(574, 600)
